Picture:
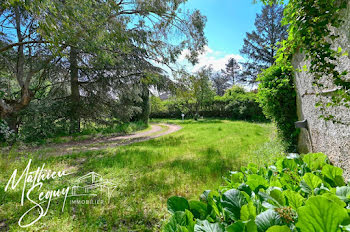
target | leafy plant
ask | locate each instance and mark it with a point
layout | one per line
(305, 194)
(277, 97)
(311, 31)
(6, 134)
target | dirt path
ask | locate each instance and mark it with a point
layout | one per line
(104, 142)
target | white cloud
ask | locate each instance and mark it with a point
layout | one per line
(217, 59)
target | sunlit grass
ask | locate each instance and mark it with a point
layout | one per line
(184, 163)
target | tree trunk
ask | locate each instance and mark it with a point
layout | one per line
(145, 106)
(12, 123)
(196, 114)
(75, 94)
(9, 109)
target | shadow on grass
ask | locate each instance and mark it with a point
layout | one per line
(169, 141)
(149, 172)
(207, 121)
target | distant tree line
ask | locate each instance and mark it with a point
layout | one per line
(216, 94)
(199, 95)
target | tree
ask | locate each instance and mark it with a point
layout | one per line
(231, 71)
(195, 91)
(260, 45)
(220, 83)
(26, 58)
(139, 29)
(102, 64)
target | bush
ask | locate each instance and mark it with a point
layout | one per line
(50, 119)
(44, 119)
(236, 104)
(296, 194)
(6, 134)
(277, 97)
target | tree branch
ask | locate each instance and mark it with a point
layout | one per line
(21, 43)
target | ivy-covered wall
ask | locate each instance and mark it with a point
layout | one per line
(324, 136)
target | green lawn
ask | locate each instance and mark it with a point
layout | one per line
(184, 163)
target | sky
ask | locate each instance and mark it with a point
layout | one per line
(227, 23)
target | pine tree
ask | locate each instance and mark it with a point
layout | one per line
(232, 68)
(220, 83)
(260, 45)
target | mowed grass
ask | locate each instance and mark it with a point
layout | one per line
(184, 163)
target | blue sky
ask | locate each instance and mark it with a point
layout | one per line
(227, 23)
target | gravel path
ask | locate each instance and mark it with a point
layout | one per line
(104, 142)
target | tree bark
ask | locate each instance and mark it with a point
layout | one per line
(12, 122)
(75, 94)
(9, 109)
(145, 106)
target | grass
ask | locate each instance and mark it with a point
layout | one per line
(184, 163)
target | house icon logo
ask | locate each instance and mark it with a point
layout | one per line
(90, 184)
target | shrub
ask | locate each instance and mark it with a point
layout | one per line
(296, 194)
(277, 98)
(236, 104)
(44, 119)
(6, 134)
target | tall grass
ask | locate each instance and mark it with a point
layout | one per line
(184, 163)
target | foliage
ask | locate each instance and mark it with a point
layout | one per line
(261, 45)
(290, 195)
(102, 68)
(195, 91)
(6, 134)
(311, 32)
(277, 97)
(220, 83)
(236, 103)
(232, 69)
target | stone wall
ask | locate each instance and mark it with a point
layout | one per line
(321, 136)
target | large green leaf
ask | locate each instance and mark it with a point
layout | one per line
(320, 215)
(255, 181)
(334, 198)
(248, 211)
(268, 201)
(236, 227)
(176, 203)
(237, 177)
(213, 198)
(290, 180)
(343, 193)
(198, 209)
(290, 164)
(275, 182)
(250, 226)
(277, 194)
(232, 202)
(279, 164)
(180, 222)
(240, 226)
(245, 188)
(279, 229)
(310, 182)
(267, 219)
(334, 174)
(205, 226)
(294, 199)
(315, 161)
